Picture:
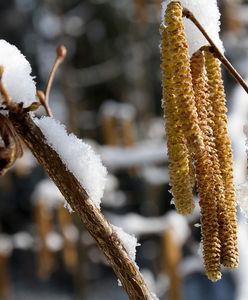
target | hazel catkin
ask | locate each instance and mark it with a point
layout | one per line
(227, 212)
(180, 166)
(184, 94)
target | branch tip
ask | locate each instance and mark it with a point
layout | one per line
(61, 52)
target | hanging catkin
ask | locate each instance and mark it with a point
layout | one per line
(183, 89)
(227, 212)
(179, 168)
(184, 93)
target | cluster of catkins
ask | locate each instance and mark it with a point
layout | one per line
(199, 147)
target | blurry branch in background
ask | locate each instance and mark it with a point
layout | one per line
(46, 258)
(105, 71)
(172, 259)
(67, 231)
(214, 49)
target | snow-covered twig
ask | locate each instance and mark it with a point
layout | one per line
(76, 196)
(61, 163)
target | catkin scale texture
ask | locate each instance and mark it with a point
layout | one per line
(184, 93)
(205, 114)
(227, 212)
(180, 167)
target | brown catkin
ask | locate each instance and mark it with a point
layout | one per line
(184, 93)
(205, 114)
(227, 212)
(180, 167)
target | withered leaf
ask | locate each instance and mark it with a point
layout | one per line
(10, 145)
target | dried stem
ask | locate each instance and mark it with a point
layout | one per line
(44, 98)
(189, 15)
(40, 94)
(6, 98)
(76, 196)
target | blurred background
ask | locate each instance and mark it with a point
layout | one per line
(108, 92)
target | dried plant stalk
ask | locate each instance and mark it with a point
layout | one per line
(70, 247)
(90, 215)
(108, 128)
(172, 260)
(227, 213)
(46, 258)
(180, 167)
(183, 90)
(5, 287)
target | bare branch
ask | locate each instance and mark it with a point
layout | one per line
(40, 94)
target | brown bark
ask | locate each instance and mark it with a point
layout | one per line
(100, 229)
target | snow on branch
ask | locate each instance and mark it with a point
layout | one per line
(71, 164)
(16, 76)
(78, 157)
(129, 241)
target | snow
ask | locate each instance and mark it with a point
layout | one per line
(154, 297)
(236, 120)
(197, 225)
(23, 240)
(156, 175)
(17, 77)
(129, 241)
(6, 246)
(207, 13)
(124, 111)
(54, 241)
(242, 189)
(71, 233)
(142, 154)
(240, 276)
(78, 157)
(242, 198)
(139, 225)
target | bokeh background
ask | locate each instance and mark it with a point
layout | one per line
(108, 92)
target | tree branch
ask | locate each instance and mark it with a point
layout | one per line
(76, 196)
(189, 15)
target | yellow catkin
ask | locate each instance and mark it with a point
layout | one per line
(184, 93)
(179, 167)
(227, 213)
(183, 88)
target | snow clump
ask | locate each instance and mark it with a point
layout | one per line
(16, 76)
(78, 157)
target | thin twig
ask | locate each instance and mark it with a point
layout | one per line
(42, 98)
(61, 54)
(189, 15)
